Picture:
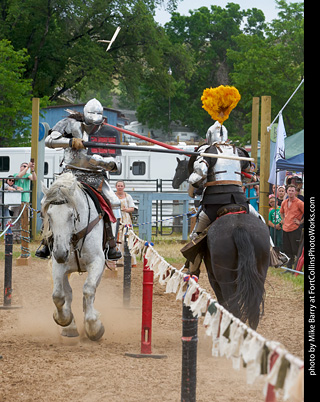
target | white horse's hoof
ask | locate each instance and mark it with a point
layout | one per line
(63, 323)
(69, 332)
(98, 335)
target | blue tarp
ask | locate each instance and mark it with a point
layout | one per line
(295, 163)
(294, 150)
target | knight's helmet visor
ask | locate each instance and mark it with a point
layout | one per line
(216, 133)
(93, 112)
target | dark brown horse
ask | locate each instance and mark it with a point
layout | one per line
(236, 255)
(237, 260)
(181, 173)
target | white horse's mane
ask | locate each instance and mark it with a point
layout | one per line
(62, 190)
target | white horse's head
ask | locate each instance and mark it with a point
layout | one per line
(60, 214)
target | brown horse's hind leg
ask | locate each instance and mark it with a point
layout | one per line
(213, 282)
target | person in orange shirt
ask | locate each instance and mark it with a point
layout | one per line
(292, 214)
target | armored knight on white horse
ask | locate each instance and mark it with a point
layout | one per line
(91, 169)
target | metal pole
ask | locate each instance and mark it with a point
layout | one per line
(189, 355)
(8, 268)
(126, 272)
(8, 272)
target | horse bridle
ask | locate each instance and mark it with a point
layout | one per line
(82, 234)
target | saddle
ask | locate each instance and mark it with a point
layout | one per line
(231, 209)
(197, 246)
(94, 182)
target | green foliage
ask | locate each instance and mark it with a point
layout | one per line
(14, 96)
(230, 46)
(55, 52)
(273, 65)
(62, 41)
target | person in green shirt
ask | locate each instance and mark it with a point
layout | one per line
(25, 184)
(275, 222)
(21, 181)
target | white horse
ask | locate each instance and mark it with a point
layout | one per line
(73, 222)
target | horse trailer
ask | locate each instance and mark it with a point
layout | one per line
(140, 170)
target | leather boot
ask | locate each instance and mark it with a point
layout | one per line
(194, 267)
(113, 253)
(43, 251)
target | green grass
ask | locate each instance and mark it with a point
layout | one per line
(298, 281)
(17, 249)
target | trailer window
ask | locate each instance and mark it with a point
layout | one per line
(138, 168)
(4, 163)
(46, 168)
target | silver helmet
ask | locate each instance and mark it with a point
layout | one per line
(216, 133)
(93, 112)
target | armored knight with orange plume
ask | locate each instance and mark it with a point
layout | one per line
(220, 178)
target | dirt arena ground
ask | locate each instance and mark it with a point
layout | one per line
(38, 365)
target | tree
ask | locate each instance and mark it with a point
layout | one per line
(210, 47)
(15, 96)
(61, 38)
(273, 65)
(204, 37)
(230, 46)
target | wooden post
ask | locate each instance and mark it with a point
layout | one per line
(265, 156)
(255, 129)
(34, 155)
(24, 258)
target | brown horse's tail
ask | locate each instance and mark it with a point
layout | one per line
(250, 283)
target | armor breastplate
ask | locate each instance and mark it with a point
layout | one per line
(81, 159)
(225, 171)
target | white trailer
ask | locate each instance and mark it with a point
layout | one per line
(141, 171)
(12, 157)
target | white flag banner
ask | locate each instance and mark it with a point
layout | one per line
(279, 154)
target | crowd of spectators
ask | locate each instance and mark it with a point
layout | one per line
(286, 218)
(286, 214)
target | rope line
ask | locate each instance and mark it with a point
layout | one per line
(13, 223)
(216, 316)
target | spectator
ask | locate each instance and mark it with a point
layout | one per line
(21, 181)
(9, 186)
(253, 191)
(127, 207)
(25, 184)
(281, 195)
(291, 211)
(275, 222)
(297, 181)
